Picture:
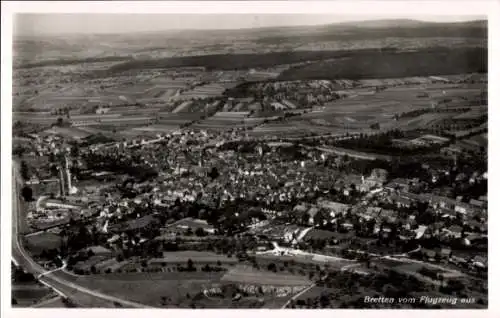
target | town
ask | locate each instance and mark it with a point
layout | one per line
(181, 186)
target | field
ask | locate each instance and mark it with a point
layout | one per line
(225, 120)
(364, 108)
(28, 294)
(149, 288)
(306, 261)
(68, 132)
(204, 91)
(293, 128)
(251, 276)
(56, 302)
(196, 257)
(477, 141)
(43, 241)
(194, 224)
(152, 129)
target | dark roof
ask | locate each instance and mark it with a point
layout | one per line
(445, 251)
(479, 258)
(402, 200)
(477, 203)
(140, 223)
(429, 253)
(455, 228)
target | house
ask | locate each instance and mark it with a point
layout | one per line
(455, 231)
(477, 203)
(334, 208)
(447, 213)
(466, 208)
(398, 185)
(445, 253)
(342, 238)
(458, 260)
(475, 225)
(435, 228)
(385, 230)
(400, 201)
(410, 224)
(347, 225)
(372, 212)
(475, 238)
(312, 212)
(102, 110)
(99, 250)
(420, 231)
(479, 262)
(376, 179)
(451, 150)
(428, 254)
(442, 202)
(389, 215)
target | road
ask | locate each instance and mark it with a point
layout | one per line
(81, 294)
(297, 296)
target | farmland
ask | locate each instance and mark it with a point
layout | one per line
(196, 257)
(68, 132)
(150, 288)
(224, 121)
(40, 242)
(28, 294)
(250, 276)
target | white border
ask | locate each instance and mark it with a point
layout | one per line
(397, 9)
(359, 8)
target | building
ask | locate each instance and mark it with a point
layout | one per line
(102, 110)
(54, 204)
(334, 208)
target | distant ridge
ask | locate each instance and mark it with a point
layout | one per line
(408, 23)
(304, 29)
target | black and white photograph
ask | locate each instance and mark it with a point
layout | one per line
(247, 161)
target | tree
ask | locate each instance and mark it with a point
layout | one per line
(27, 194)
(200, 232)
(190, 266)
(271, 267)
(24, 170)
(214, 173)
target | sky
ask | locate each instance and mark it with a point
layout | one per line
(54, 24)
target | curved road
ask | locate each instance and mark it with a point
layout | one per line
(81, 295)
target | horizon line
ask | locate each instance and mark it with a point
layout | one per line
(200, 29)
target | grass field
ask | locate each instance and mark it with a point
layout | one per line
(197, 258)
(149, 288)
(157, 128)
(43, 241)
(247, 275)
(68, 132)
(56, 302)
(27, 295)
